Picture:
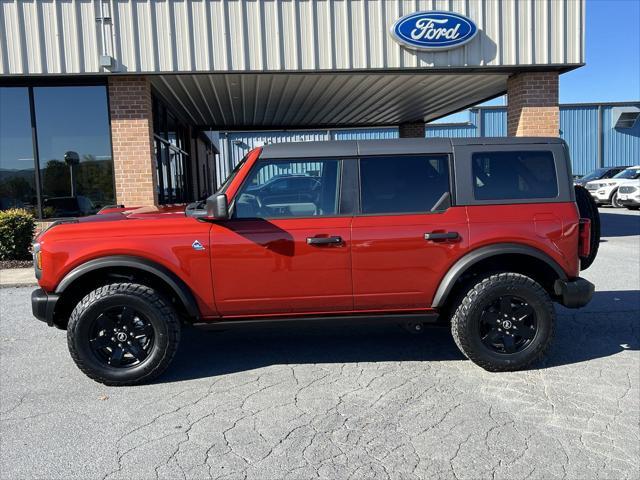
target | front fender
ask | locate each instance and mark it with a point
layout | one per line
(167, 276)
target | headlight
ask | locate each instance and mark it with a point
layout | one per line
(37, 259)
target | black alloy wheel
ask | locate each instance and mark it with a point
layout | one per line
(123, 334)
(121, 337)
(503, 322)
(508, 325)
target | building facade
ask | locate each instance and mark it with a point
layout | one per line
(106, 101)
(591, 130)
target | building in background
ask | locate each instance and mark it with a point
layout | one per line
(106, 101)
(598, 134)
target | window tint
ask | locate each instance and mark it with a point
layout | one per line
(404, 184)
(629, 173)
(514, 175)
(17, 166)
(74, 148)
(290, 188)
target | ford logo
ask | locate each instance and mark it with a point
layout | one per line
(433, 30)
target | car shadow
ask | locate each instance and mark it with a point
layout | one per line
(581, 335)
(619, 225)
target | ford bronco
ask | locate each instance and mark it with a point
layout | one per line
(482, 233)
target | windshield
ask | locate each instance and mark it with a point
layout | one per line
(234, 172)
(597, 173)
(629, 173)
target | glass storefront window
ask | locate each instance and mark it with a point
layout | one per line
(74, 148)
(73, 167)
(172, 157)
(17, 165)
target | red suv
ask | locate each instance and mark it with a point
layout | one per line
(482, 233)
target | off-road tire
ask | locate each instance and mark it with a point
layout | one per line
(161, 315)
(589, 209)
(467, 313)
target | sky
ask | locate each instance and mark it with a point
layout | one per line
(612, 72)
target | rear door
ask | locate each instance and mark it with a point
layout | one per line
(406, 234)
(286, 249)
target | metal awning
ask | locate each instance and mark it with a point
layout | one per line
(336, 99)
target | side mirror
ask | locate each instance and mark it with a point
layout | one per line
(218, 207)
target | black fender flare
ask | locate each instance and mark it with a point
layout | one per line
(167, 276)
(471, 258)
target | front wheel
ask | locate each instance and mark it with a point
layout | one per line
(123, 334)
(615, 202)
(504, 322)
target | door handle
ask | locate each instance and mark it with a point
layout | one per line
(319, 241)
(437, 236)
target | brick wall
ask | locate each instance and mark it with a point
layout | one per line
(411, 130)
(132, 138)
(533, 105)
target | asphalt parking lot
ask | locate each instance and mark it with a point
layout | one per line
(338, 401)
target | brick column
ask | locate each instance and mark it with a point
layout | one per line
(533, 105)
(132, 139)
(411, 130)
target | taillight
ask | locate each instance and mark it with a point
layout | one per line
(584, 238)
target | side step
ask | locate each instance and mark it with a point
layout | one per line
(413, 322)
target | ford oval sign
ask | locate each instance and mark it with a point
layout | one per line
(433, 30)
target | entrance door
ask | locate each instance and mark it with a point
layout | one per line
(286, 248)
(407, 234)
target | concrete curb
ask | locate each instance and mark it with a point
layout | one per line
(17, 277)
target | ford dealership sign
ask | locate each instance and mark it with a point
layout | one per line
(433, 30)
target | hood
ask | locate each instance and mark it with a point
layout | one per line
(133, 212)
(612, 181)
(116, 215)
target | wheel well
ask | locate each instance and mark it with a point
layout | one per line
(103, 276)
(532, 267)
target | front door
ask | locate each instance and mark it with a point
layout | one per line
(286, 248)
(407, 234)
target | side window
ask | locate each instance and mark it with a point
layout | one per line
(514, 175)
(404, 184)
(290, 188)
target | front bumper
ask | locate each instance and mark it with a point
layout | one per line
(574, 293)
(629, 202)
(43, 305)
(601, 198)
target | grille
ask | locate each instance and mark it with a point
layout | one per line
(627, 189)
(592, 187)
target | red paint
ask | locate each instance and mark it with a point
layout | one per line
(394, 266)
(253, 268)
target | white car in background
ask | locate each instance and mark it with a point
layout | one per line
(629, 195)
(606, 192)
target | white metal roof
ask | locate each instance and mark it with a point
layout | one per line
(160, 36)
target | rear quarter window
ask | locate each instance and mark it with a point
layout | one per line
(514, 175)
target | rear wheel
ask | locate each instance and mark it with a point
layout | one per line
(123, 334)
(589, 209)
(504, 322)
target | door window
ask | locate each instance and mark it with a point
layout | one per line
(514, 175)
(404, 184)
(290, 188)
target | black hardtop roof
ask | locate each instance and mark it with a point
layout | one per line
(400, 146)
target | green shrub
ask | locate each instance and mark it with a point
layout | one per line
(16, 234)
